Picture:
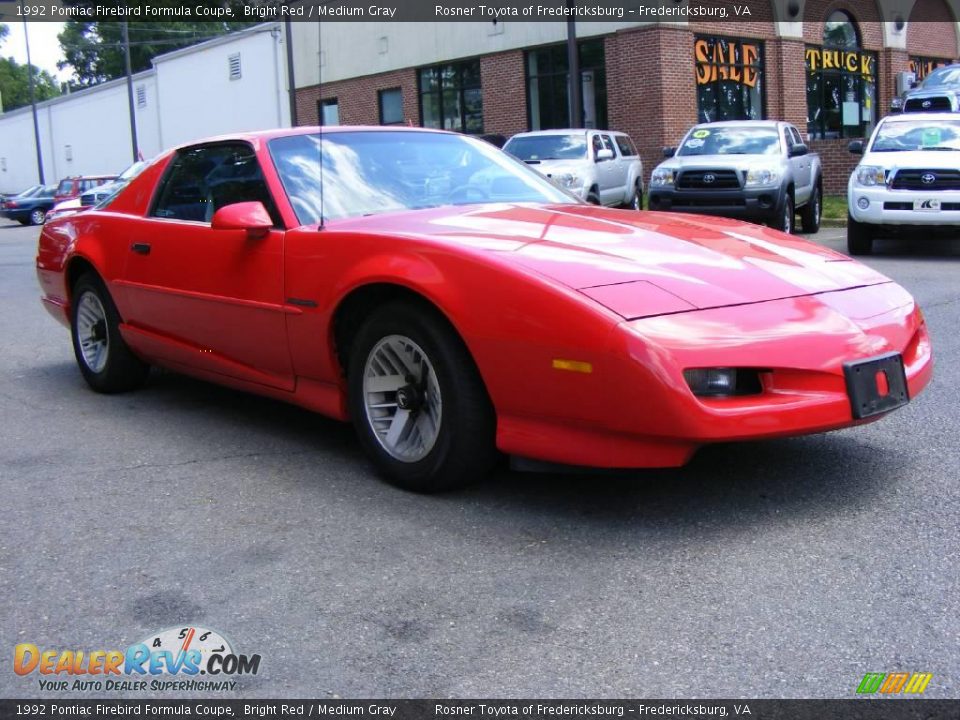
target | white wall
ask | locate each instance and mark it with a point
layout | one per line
(87, 133)
(198, 99)
(189, 95)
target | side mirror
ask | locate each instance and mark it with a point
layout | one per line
(914, 84)
(604, 154)
(669, 152)
(798, 150)
(856, 147)
(250, 216)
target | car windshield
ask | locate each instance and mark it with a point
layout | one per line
(943, 76)
(917, 135)
(531, 148)
(366, 173)
(731, 141)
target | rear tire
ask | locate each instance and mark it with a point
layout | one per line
(106, 362)
(811, 212)
(417, 401)
(37, 217)
(859, 237)
(637, 202)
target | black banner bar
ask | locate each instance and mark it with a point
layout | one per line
(874, 709)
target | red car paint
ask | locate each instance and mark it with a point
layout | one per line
(638, 296)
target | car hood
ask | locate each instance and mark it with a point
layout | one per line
(925, 159)
(738, 162)
(640, 264)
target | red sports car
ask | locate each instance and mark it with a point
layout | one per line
(453, 303)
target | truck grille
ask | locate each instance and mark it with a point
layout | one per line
(708, 180)
(928, 104)
(915, 180)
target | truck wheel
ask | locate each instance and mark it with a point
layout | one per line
(810, 213)
(593, 197)
(785, 222)
(637, 202)
(859, 237)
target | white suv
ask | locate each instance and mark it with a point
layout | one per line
(909, 177)
(598, 166)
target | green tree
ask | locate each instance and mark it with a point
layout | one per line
(94, 50)
(15, 81)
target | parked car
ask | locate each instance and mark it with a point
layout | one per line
(96, 195)
(71, 187)
(29, 207)
(939, 92)
(448, 327)
(599, 166)
(758, 170)
(908, 179)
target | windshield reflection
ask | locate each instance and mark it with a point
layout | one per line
(371, 172)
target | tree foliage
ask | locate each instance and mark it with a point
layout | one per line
(94, 50)
(15, 81)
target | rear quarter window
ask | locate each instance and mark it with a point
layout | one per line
(627, 148)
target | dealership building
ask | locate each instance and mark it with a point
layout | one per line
(829, 67)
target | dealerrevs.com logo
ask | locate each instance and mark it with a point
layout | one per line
(168, 660)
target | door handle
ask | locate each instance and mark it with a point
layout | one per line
(141, 248)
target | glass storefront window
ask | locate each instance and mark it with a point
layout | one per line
(923, 66)
(548, 96)
(451, 97)
(729, 79)
(841, 82)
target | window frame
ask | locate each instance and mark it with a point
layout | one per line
(458, 87)
(380, 95)
(553, 73)
(760, 67)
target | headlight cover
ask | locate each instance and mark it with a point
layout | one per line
(870, 175)
(568, 180)
(662, 177)
(762, 176)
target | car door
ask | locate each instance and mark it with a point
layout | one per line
(800, 165)
(209, 299)
(611, 189)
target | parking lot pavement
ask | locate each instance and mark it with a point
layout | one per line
(778, 569)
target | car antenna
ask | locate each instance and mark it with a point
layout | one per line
(320, 111)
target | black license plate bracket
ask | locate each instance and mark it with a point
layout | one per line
(864, 386)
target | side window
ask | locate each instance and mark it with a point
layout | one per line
(627, 148)
(608, 144)
(201, 180)
(797, 140)
(596, 145)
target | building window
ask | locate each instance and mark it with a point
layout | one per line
(329, 111)
(141, 96)
(390, 103)
(451, 97)
(923, 66)
(841, 82)
(234, 63)
(548, 92)
(729, 79)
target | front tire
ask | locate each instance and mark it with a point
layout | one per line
(785, 222)
(417, 401)
(859, 237)
(812, 211)
(106, 362)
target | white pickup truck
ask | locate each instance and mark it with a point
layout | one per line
(908, 179)
(599, 166)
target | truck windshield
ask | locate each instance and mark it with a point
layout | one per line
(943, 76)
(917, 135)
(731, 141)
(547, 147)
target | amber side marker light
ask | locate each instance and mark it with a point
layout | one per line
(572, 365)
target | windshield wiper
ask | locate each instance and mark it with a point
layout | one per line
(938, 147)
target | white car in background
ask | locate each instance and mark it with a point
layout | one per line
(908, 179)
(600, 166)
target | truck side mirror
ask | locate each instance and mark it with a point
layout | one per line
(668, 152)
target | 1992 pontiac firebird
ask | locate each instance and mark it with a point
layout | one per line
(453, 304)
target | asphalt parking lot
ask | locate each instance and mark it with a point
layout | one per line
(779, 569)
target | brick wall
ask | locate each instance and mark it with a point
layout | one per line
(358, 99)
(837, 163)
(923, 39)
(504, 93)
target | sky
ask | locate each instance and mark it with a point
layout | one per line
(44, 48)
